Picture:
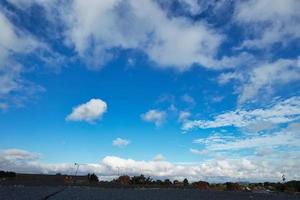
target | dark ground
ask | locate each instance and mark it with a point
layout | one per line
(91, 193)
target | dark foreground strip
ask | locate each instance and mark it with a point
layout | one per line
(53, 194)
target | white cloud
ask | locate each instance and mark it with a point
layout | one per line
(199, 152)
(119, 142)
(89, 111)
(264, 78)
(258, 126)
(264, 151)
(183, 116)
(155, 116)
(94, 27)
(212, 170)
(13, 43)
(10, 71)
(271, 21)
(229, 76)
(192, 6)
(18, 155)
(278, 113)
(286, 137)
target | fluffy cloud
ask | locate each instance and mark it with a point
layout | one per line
(155, 116)
(278, 113)
(94, 28)
(89, 111)
(272, 21)
(169, 42)
(119, 142)
(211, 170)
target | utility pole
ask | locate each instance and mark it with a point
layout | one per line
(118, 171)
(77, 165)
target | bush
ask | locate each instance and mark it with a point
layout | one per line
(233, 186)
(293, 186)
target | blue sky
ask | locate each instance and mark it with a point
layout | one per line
(185, 88)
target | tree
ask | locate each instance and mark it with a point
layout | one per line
(93, 178)
(124, 180)
(185, 182)
(139, 180)
(167, 182)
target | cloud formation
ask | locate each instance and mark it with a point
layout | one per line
(263, 79)
(272, 21)
(14, 42)
(280, 112)
(155, 116)
(168, 41)
(96, 30)
(286, 137)
(89, 111)
(210, 170)
(119, 142)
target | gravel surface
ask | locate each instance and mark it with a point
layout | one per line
(22, 193)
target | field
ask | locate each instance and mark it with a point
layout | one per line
(91, 193)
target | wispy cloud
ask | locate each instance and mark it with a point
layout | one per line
(283, 111)
(14, 42)
(155, 116)
(119, 142)
(263, 78)
(286, 137)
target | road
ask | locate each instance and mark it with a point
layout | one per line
(93, 193)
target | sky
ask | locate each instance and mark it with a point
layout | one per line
(208, 90)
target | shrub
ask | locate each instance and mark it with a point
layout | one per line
(233, 186)
(202, 185)
(4, 174)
